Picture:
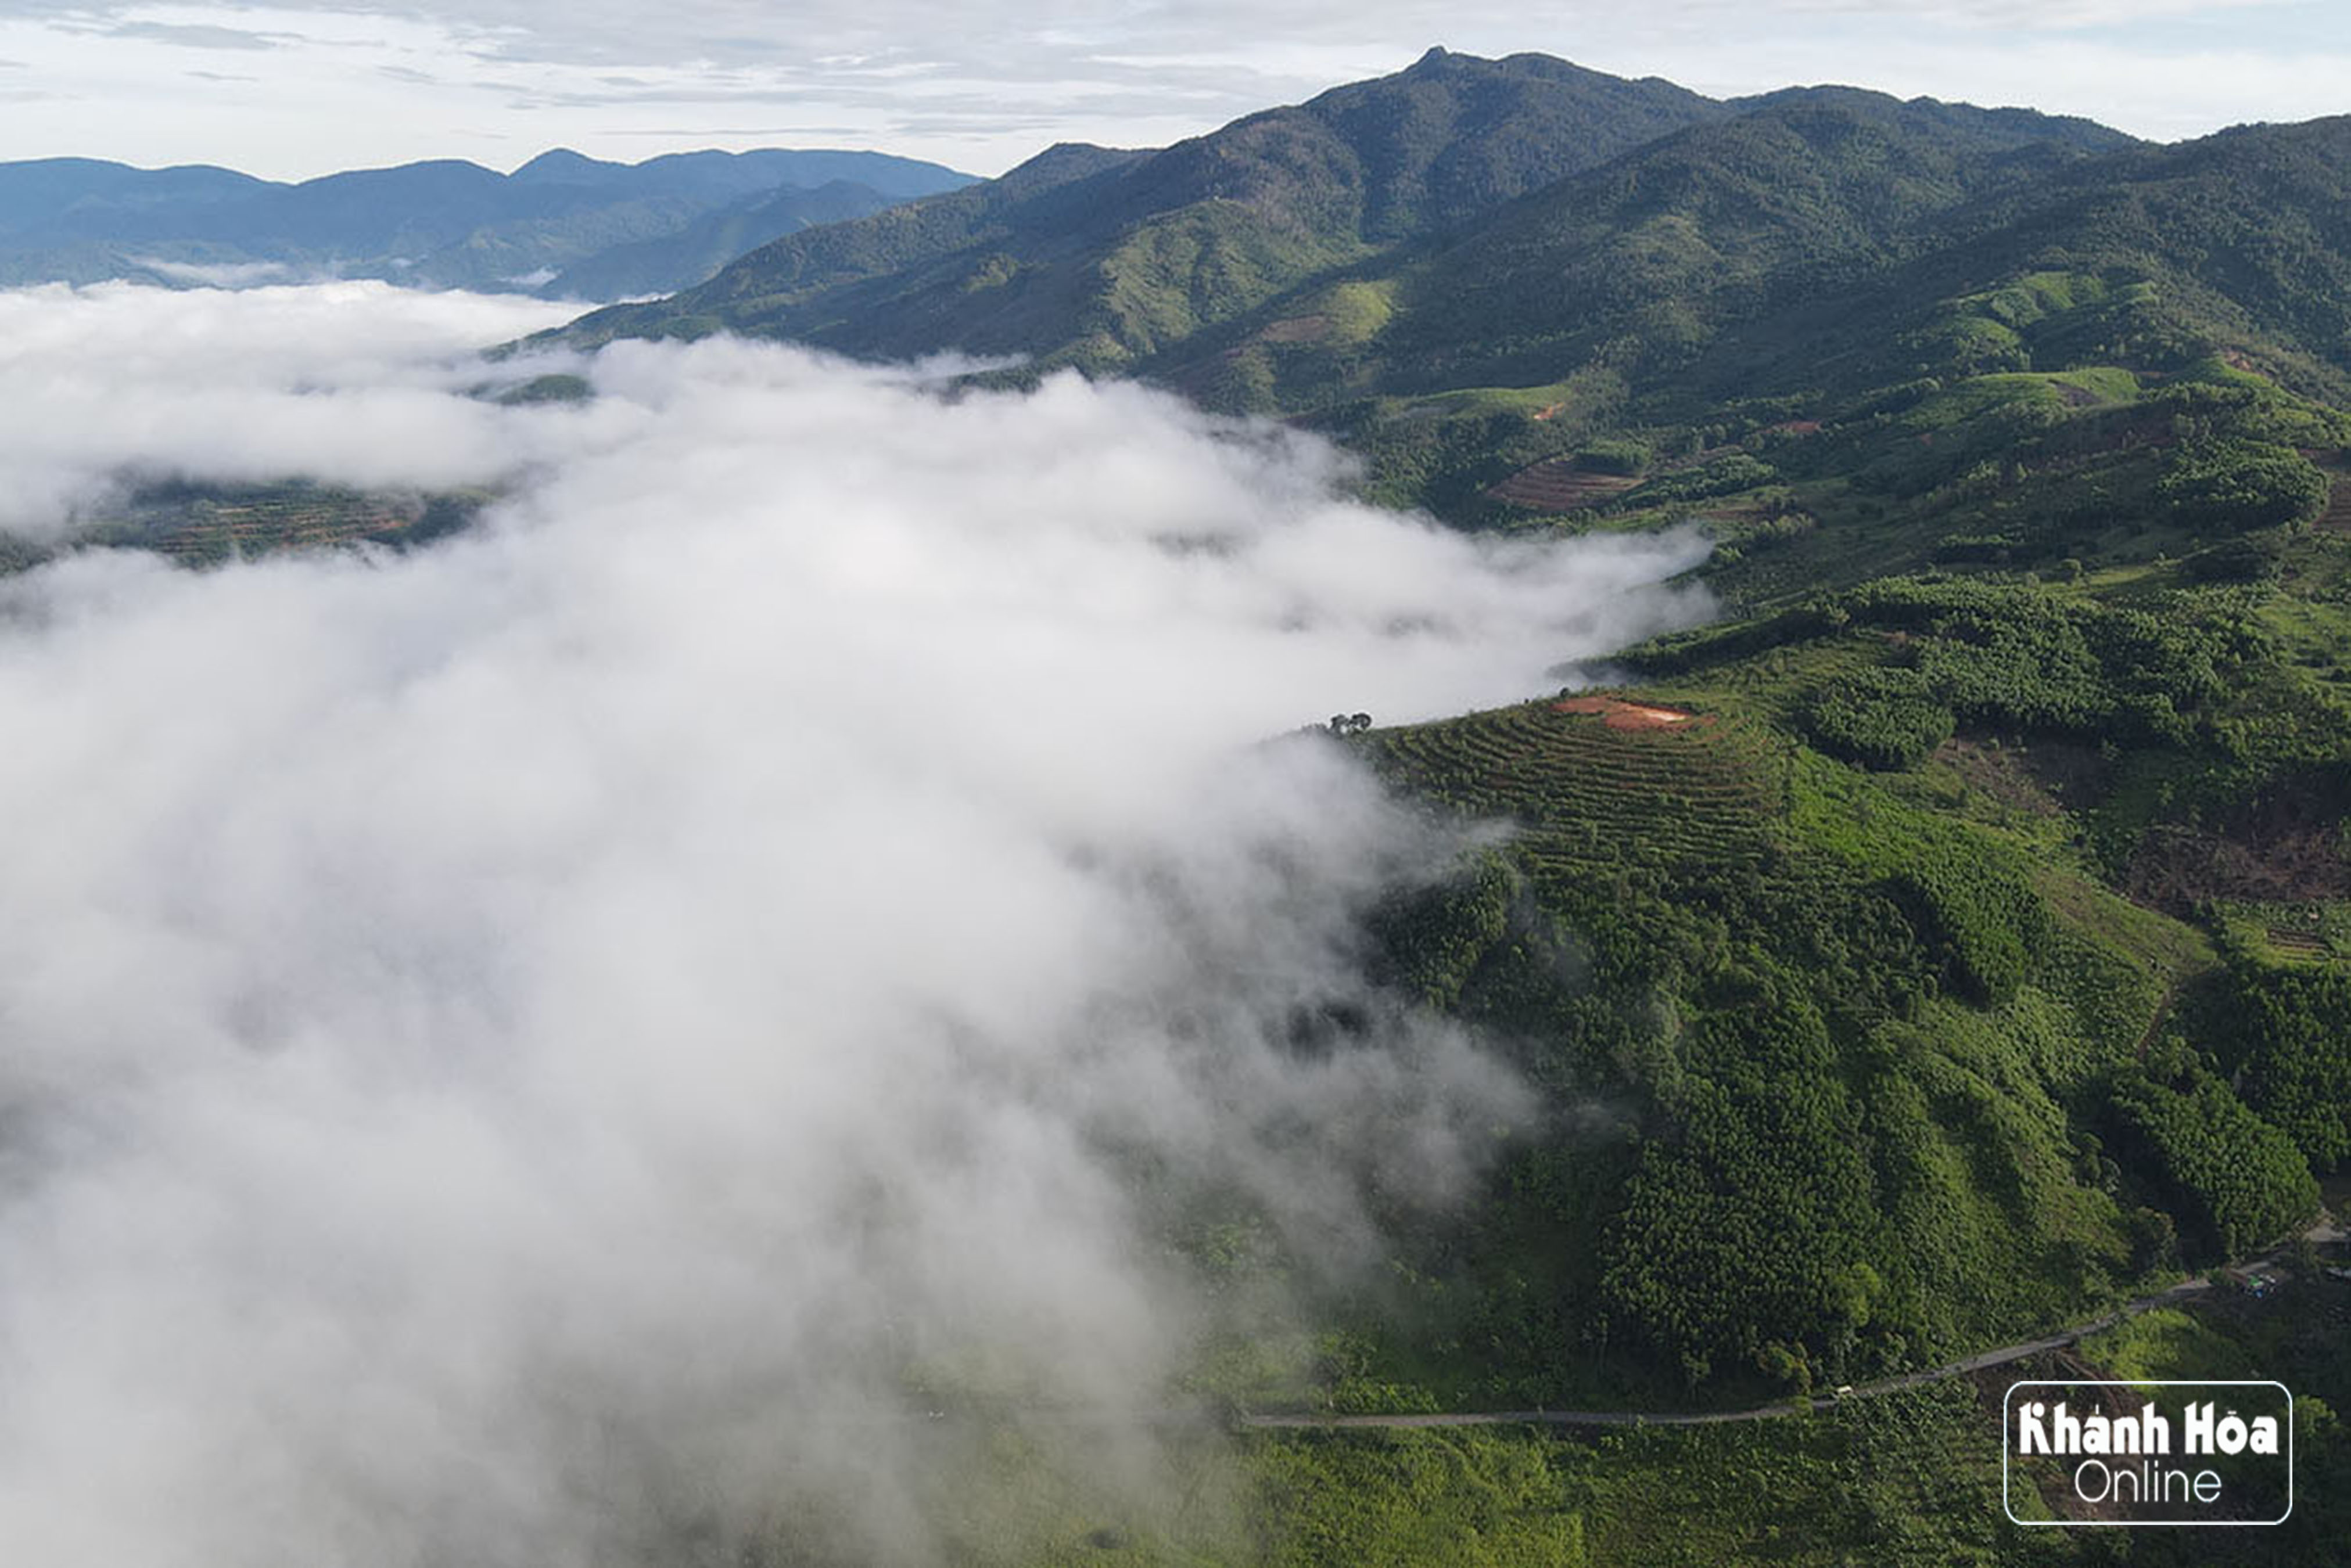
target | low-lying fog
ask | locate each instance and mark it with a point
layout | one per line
(512, 1048)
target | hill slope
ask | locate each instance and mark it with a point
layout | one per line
(1146, 249)
(1952, 940)
(1634, 266)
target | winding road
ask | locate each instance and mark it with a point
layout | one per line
(1978, 1363)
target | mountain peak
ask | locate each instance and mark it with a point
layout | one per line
(561, 165)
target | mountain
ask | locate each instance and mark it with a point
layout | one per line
(734, 175)
(38, 194)
(2241, 241)
(700, 249)
(1949, 945)
(1803, 286)
(1952, 941)
(665, 222)
(1098, 258)
(1959, 933)
(1636, 264)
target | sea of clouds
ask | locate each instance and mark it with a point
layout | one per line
(518, 1051)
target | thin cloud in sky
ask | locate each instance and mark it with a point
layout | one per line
(360, 82)
(196, 35)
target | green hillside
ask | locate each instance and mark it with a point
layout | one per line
(1918, 958)
(1947, 945)
(1095, 258)
(205, 524)
(1635, 265)
(1950, 943)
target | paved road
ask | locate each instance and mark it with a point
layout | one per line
(1978, 1363)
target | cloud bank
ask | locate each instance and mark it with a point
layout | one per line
(562, 1045)
(359, 384)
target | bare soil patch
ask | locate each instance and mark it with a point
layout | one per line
(2002, 773)
(2285, 847)
(1295, 329)
(1618, 714)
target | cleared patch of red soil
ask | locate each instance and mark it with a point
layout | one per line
(1621, 715)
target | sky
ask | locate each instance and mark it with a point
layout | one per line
(556, 1047)
(289, 91)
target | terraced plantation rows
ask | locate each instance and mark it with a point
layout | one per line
(1558, 484)
(1591, 794)
(278, 524)
(2299, 944)
(205, 525)
(2337, 519)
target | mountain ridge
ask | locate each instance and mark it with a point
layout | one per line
(437, 222)
(1928, 963)
(1187, 236)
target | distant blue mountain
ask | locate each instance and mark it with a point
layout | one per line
(563, 224)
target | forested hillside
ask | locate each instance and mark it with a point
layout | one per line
(1949, 941)
(1956, 938)
(1094, 258)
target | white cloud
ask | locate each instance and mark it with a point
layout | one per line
(220, 274)
(516, 1048)
(346, 382)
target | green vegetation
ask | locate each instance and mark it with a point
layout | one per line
(1896, 1479)
(2283, 1030)
(1891, 992)
(1949, 942)
(205, 524)
(1882, 718)
(1102, 259)
(2236, 1182)
(1890, 1070)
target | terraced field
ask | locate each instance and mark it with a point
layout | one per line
(1591, 794)
(253, 530)
(2337, 519)
(1558, 484)
(2298, 944)
(209, 523)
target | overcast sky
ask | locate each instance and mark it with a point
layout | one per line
(296, 90)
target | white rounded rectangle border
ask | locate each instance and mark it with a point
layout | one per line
(2008, 1427)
